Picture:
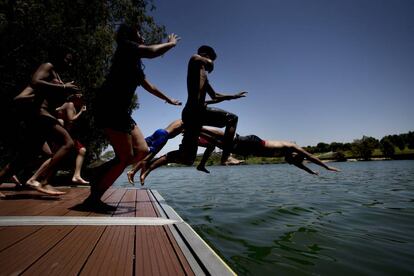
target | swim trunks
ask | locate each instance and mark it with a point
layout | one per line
(78, 145)
(157, 139)
(248, 145)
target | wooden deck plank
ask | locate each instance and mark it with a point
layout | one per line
(120, 239)
(37, 203)
(192, 269)
(69, 255)
(144, 205)
(113, 254)
(101, 250)
(11, 235)
(17, 258)
(157, 255)
(182, 259)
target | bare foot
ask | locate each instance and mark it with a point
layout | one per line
(2, 195)
(46, 189)
(33, 183)
(203, 169)
(79, 180)
(50, 190)
(130, 176)
(232, 161)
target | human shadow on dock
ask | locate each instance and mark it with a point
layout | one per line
(23, 196)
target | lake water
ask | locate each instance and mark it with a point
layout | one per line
(277, 219)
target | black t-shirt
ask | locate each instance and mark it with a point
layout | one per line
(125, 75)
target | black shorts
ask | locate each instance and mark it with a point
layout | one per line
(194, 120)
(248, 145)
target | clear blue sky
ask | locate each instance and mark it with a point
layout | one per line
(316, 71)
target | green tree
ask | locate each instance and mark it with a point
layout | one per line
(31, 29)
(322, 147)
(397, 140)
(364, 147)
(387, 147)
(335, 146)
(410, 139)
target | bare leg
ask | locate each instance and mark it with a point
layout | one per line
(124, 147)
(207, 153)
(228, 141)
(77, 178)
(229, 133)
(40, 182)
(131, 173)
(147, 168)
(32, 181)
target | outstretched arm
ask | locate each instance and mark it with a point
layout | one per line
(156, 92)
(303, 167)
(156, 50)
(25, 95)
(313, 159)
(218, 97)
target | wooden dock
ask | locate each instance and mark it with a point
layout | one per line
(43, 235)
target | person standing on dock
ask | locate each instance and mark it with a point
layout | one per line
(112, 109)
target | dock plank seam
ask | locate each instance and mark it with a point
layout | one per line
(90, 253)
(46, 251)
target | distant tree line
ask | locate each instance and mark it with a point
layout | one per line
(363, 148)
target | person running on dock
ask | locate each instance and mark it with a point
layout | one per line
(49, 93)
(67, 114)
(113, 107)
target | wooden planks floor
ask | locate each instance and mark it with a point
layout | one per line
(89, 249)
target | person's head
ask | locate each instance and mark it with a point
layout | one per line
(294, 158)
(76, 99)
(61, 58)
(207, 51)
(126, 32)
